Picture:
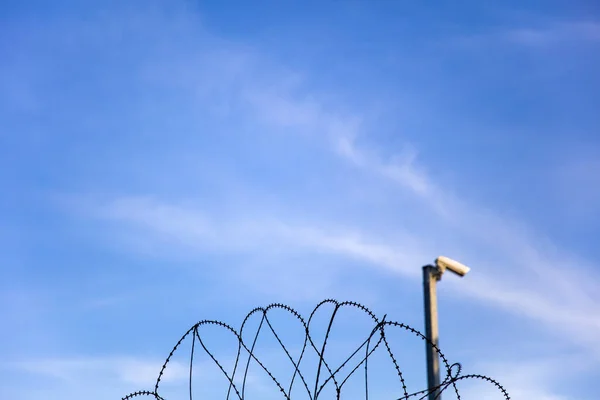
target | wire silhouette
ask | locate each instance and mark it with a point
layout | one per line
(376, 340)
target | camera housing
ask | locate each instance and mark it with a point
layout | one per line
(443, 263)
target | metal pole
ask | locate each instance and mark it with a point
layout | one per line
(430, 278)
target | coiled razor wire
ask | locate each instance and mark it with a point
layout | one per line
(376, 340)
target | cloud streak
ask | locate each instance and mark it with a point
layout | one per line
(572, 314)
(545, 268)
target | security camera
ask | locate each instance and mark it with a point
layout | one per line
(444, 262)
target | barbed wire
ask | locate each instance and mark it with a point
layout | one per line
(325, 374)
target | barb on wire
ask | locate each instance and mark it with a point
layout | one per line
(327, 375)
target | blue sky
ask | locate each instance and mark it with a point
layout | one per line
(166, 162)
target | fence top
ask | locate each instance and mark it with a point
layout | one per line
(327, 375)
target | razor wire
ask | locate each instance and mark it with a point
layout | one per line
(376, 340)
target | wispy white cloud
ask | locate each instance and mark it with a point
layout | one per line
(401, 169)
(198, 231)
(552, 293)
(88, 377)
(275, 101)
(576, 183)
(548, 290)
(540, 35)
(573, 312)
(586, 31)
(125, 370)
(529, 378)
